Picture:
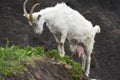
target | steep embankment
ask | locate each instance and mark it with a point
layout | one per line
(42, 69)
(30, 63)
(106, 13)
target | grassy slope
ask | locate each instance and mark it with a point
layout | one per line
(12, 59)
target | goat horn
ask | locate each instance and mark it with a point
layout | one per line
(31, 11)
(24, 9)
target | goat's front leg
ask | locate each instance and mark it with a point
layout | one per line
(63, 38)
(60, 39)
(57, 38)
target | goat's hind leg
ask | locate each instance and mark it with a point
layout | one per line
(83, 58)
(88, 51)
(88, 45)
(88, 65)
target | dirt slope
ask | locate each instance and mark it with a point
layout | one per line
(106, 13)
(43, 69)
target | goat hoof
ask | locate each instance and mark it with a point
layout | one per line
(62, 55)
(87, 74)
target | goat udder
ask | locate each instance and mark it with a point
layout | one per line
(80, 50)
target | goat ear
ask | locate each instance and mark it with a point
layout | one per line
(38, 17)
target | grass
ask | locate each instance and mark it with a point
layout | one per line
(13, 57)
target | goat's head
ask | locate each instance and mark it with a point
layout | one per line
(34, 18)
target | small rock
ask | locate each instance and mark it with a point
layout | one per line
(67, 66)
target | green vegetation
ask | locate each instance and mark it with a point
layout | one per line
(76, 68)
(12, 59)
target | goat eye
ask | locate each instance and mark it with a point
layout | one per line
(38, 17)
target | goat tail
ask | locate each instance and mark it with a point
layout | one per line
(97, 29)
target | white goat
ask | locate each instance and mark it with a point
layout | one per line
(65, 23)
